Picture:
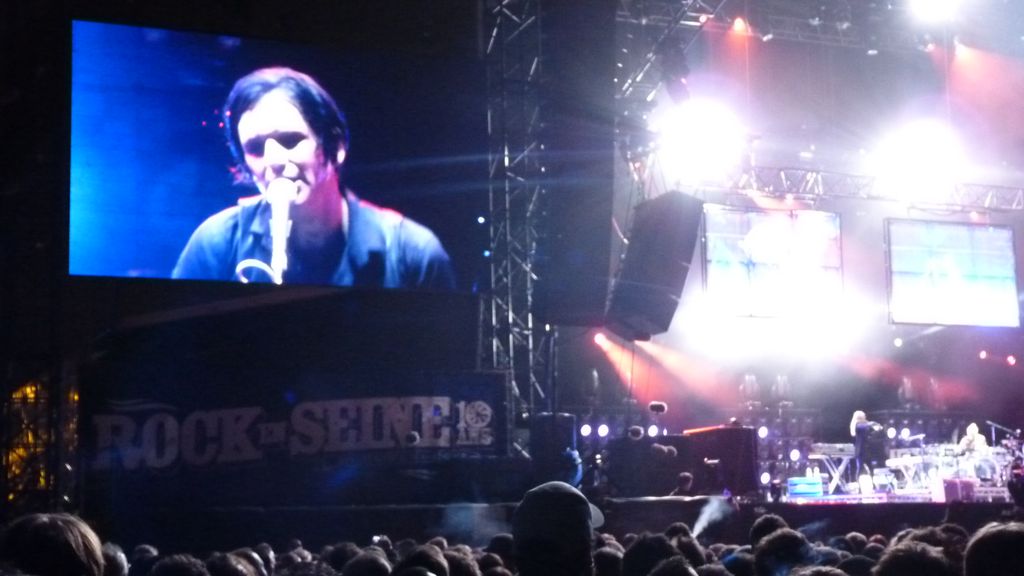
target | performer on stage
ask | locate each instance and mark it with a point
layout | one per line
(973, 443)
(861, 429)
(977, 463)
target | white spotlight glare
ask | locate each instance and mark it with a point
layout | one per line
(794, 455)
(905, 433)
(762, 432)
(652, 430)
(586, 430)
(934, 11)
(602, 430)
(700, 141)
(920, 162)
(890, 433)
(766, 478)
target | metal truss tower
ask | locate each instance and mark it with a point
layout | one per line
(40, 434)
(515, 65)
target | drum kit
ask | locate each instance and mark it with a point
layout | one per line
(988, 466)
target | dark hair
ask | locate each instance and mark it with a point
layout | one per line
(460, 564)
(115, 562)
(367, 563)
(643, 555)
(996, 549)
(913, 559)
(765, 525)
(179, 565)
(428, 556)
(674, 566)
(52, 545)
(221, 564)
(781, 552)
(340, 554)
(309, 568)
(607, 562)
(318, 109)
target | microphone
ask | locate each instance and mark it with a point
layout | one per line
(280, 193)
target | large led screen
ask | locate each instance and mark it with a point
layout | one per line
(222, 158)
(951, 273)
(772, 263)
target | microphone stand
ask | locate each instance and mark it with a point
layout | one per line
(280, 194)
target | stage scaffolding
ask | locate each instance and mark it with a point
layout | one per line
(515, 341)
(40, 433)
(515, 66)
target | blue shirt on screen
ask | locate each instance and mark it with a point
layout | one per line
(381, 249)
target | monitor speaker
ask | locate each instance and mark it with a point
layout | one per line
(650, 283)
(553, 448)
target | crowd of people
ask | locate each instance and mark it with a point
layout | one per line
(555, 531)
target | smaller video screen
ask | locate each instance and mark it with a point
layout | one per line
(950, 273)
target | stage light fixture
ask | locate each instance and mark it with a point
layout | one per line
(1011, 360)
(762, 432)
(652, 430)
(983, 354)
(794, 455)
(740, 26)
(602, 431)
(766, 478)
(586, 430)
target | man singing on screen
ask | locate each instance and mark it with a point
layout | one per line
(289, 138)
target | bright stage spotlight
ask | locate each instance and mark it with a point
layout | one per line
(934, 11)
(920, 162)
(699, 141)
(652, 430)
(601, 340)
(602, 431)
(762, 432)
(586, 430)
(794, 455)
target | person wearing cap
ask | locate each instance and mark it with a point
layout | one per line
(553, 528)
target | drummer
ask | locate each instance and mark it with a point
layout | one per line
(973, 443)
(978, 463)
